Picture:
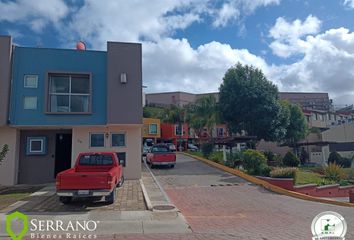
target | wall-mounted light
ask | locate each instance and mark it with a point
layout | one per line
(61, 137)
(123, 78)
(107, 135)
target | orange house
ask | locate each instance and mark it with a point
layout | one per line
(151, 129)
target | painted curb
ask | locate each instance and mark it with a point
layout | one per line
(267, 185)
(146, 196)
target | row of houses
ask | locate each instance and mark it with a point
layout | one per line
(330, 129)
(179, 135)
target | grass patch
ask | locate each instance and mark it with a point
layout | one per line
(196, 153)
(307, 177)
(8, 199)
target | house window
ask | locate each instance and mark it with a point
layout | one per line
(36, 146)
(30, 81)
(69, 93)
(30, 103)
(153, 129)
(178, 130)
(118, 139)
(97, 140)
(220, 132)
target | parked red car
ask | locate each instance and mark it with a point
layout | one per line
(160, 154)
(95, 174)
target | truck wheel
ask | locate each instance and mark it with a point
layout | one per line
(172, 165)
(120, 183)
(65, 200)
(111, 198)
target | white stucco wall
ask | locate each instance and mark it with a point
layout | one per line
(9, 166)
(81, 143)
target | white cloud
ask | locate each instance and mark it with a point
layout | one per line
(325, 66)
(234, 10)
(349, 3)
(288, 35)
(131, 20)
(172, 65)
(36, 14)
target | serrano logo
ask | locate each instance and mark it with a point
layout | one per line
(10, 219)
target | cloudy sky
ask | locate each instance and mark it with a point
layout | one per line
(189, 44)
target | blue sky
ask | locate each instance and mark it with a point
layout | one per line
(189, 44)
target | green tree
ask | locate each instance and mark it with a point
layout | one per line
(297, 127)
(248, 101)
(4, 151)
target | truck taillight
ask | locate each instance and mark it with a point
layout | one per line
(57, 182)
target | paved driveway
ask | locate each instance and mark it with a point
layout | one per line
(218, 203)
(129, 198)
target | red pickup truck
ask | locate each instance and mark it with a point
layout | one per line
(94, 175)
(160, 154)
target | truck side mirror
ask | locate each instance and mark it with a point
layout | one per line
(122, 162)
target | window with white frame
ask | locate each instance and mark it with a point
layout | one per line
(118, 139)
(30, 81)
(29, 103)
(153, 128)
(69, 93)
(178, 130)
(97, 139)
(36, 146)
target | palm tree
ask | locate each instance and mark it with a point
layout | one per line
(204, 113)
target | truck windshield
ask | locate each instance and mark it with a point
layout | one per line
(159, 149)
(96, 160)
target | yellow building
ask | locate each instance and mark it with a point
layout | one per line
(151, 129)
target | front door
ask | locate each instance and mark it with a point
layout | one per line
(62, 152)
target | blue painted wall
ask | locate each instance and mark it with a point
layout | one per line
(39, 61)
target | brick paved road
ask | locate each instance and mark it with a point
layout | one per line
(238, 209)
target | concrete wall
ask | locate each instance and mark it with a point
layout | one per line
(340, 133)
(9, 166)
(124, 100)
(170, 98)
(5, 77)
(36, 169)
(81, 143)
(273, 147)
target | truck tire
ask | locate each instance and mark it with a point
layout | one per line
(172, 165)
(111, 198)
(120, 183)
(65, 200)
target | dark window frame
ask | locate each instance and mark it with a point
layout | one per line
(67, 73)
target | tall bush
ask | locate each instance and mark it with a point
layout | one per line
(334, 157)
(290, 160)
(207, 149)
(345, 162)
(334, 172)
(254, 162)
